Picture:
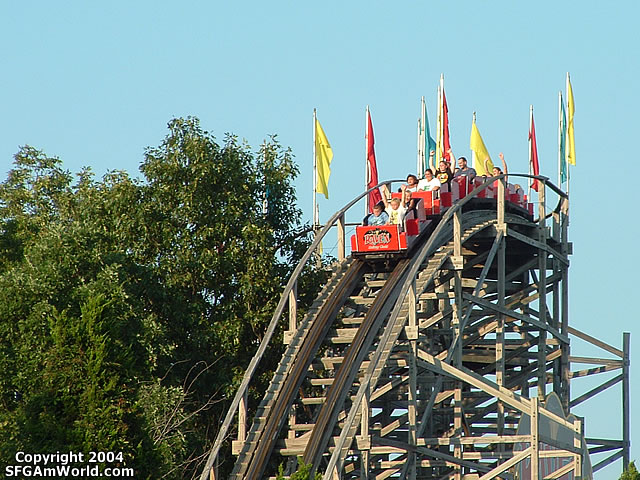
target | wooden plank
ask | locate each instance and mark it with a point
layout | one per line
(596, 342)
(485, 440)
(606, 461)
(601, 449)
(560, 471)
(592, 371)
(596, 361)
(293, 308)
(555, 454)
(492, 306)
(517, 402)
(554, 442)
(535, 438)
(341, 242)
(507, 465)
(500, 364)
(487, 455)
(242, 418)
(595, 391)
(401, 447)
(553, 355)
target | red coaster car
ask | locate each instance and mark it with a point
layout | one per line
(391, 238)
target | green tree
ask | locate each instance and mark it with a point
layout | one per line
(129, 309)
(630, 473)
(303, 472)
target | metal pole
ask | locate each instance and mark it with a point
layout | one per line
(566, 142)
(315, 174)
(560, 139)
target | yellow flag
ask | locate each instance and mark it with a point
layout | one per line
(477, 146)
(324, 154)
(571, 144)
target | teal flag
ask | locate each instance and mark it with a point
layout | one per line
(564, 170)
(425, 142)
(430, 143)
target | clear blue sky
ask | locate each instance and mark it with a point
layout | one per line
(96, 82)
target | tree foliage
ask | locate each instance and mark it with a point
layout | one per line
(303, 472)
(630, 473)
(129, 308)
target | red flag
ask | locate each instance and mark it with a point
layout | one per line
(372, 169)
(446, 144)
(533, 153)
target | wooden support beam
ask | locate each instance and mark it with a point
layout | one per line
(413, 382)
(539, 244)
(597, 361)
(535, 438)
(596, 342)
(605, 441)
(626, 405)
(508, 464)
(542, 295)
(607, 461)
(510, 313)
(500, 203)
(507, 396)
(365, 412)
(560, 471)
(293, 308)
(450, 459)
(595, 391)
(577, 443)
(341, 239)
(500, 357)
(593, 371)
(484, 440)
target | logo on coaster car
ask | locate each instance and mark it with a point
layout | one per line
(377, 237)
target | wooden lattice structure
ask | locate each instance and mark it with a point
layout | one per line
(430, 365)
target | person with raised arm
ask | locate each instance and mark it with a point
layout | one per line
(395, 207)
(496, 170)
(444, 174)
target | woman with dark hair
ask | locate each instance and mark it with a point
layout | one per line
(412, 183)
(495, 171)
(444, 174)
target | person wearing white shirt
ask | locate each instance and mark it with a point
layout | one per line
(429, 183)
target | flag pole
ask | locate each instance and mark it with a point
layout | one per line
(439, 126)
(442, 126)
(423, 139)
(419, 157)
(560, 139)
(315, 174)
(566, 140)
(530, 152)
(366, 160)
(418, 160)
(474, 159)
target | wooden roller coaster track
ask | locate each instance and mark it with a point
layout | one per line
(453, 362)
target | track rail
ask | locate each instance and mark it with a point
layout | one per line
(352, 361)
(360, 361)
(253, 459)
